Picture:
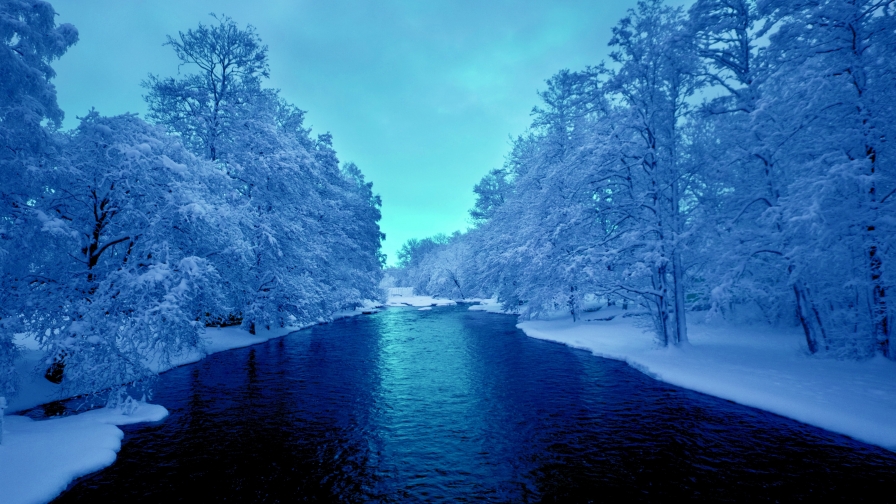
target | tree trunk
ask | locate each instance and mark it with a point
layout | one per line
(681, 326)
(681, 323)
(662, 304)
(809, 319)
(879, 312)
(879, 305)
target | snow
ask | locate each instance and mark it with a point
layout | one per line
(40, 458)
(404, 296)
(489, 305)
(759, 366)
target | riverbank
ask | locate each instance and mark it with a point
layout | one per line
(404, 296)
(759, 366)
(38, 459)
(764, 367)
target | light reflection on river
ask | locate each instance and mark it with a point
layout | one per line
(452, 405)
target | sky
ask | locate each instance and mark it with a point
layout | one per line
(424, 96)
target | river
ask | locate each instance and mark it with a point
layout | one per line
(453, 405)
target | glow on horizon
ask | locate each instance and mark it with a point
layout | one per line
(423, 96)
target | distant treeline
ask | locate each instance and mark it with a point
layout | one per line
(734, 159)
(121, 240)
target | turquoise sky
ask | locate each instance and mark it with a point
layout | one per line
(422, 95)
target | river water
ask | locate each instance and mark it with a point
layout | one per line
(453, 405)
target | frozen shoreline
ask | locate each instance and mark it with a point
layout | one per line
(764, 367)
(34, 390)
(39, 459)
(759, 366)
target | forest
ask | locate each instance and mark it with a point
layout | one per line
(123, 239)
(730, 160)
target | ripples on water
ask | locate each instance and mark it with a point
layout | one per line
(452, 405)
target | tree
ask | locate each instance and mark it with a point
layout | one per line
(491, 192)
(438, 266)
(29, 42)
(118, 286)
(744, 180)
(826, 108)
(774, 194)
(413, 251)
(203, 107)
(656, 77)
(537, 247)
(312, 227)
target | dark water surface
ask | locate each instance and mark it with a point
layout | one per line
(453, 405)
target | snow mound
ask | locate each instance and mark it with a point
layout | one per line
(40, 458)
(419, 301)
(491, 306)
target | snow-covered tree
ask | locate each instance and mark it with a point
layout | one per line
(657, 75)
(203, 107)
(491, 192)
(115, 284)
(739, 180)
(312, 227)
(774, 193)
(437, 266)
(31, 40)
(825, 111)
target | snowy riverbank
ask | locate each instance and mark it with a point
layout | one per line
(34, 390)
(404, 296)
(38, 459)
(759, 366)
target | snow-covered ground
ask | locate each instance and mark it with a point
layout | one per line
(490, 305)
(404, 296)
(38, 459)
(759, 366)
(755, 365)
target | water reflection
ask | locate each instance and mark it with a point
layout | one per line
(451, 405)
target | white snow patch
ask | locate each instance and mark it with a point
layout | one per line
(759, 366)
(40, 458)
(404, 296)
(173, 166)
(491, 306)
(419, 301)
